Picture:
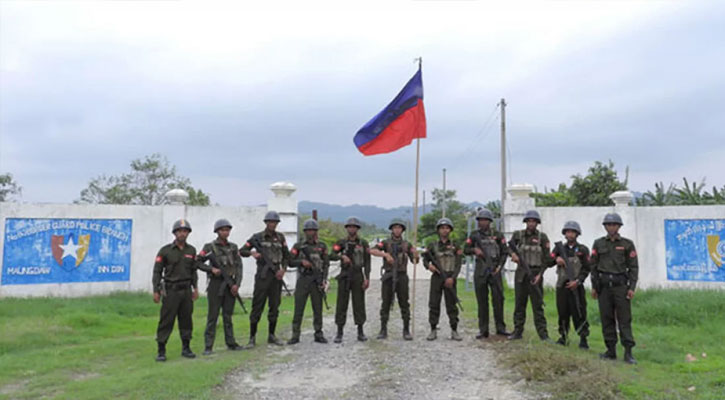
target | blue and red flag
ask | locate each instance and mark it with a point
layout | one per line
(397, 124)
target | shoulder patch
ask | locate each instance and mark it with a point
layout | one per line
(294, 251)
(336, 247)
(459, 252)
(632, 254)
(202, 253)
(503, 240)
(381, 245)
(469, 241)
(159, 259)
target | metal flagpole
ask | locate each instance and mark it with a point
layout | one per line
(415, 219)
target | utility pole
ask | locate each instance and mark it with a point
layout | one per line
(503, 158)
(424, 202)
(444, 193)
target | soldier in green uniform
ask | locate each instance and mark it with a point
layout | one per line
(219, 294)
(533, 246)
(489, 247)
(175, 286)
(354, 278)
(443, 259)
(570, 293)
(310, 257)
(269, 248)
(614, 279)
(396, 252)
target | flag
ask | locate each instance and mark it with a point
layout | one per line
(397, 124)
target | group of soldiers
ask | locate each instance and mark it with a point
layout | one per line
(612, 265)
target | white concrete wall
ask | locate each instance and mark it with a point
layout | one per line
(151, 230)
(644, 225)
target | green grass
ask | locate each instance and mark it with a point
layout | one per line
(667, 325)
(104, 347)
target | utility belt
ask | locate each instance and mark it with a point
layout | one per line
(607, 280)
(178, 285)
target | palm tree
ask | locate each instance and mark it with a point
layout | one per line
(691, 195)
(660, 197)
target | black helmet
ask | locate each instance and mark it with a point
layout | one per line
(354, 221)
(310, 224)
(484, 213)
(271, 216)
(444, 221)
(532, 214)
(222, 223)
(181, 224)
(397, 221)
(612, 218)
(571, 226)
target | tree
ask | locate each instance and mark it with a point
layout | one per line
(593, 189)
(660, 197)
(691, 195)
(150, 178)
(455, 210)
(8, 187)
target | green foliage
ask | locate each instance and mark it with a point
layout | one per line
(690, 194)
(592, 189)
(455, 210)
(150, 178)
(331, 231)
(8, 187)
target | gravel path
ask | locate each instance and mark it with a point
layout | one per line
(389, 369)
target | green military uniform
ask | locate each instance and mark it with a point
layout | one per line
(533, 249)
(402, 251)
(448, 258)
(266, 286)
(577, 256)
(219, 294)
(614, 272)
(493, 245)
(174, 277)
(309, 282)
(351, 278)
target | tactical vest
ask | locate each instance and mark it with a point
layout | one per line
(574, 261)
(273, 249)
(402, 257)
(315, 256)
(358, 253)
(490, 246)
(531, 253)
(225, 256)
(445, 257)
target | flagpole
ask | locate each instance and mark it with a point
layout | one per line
(415, 217)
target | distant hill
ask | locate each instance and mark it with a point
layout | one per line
(369, 214)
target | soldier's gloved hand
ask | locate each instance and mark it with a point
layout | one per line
(216, 271)
(560, 261)
(256, 255)
(630, 294)
(572, 285)
(389, 258)
(157, 297)
(366, 284)
(449, 283)
(306, 264)
(235, 290)
(346, 259)
(478, 252)
(279, 274)
(515, 258)
(195, 294)
(594, 294)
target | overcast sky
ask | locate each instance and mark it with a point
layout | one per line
(239, 96)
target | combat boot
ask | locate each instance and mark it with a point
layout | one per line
(482, 335)
(338, 337)
(517, 335)
(406, 331)
(161, 354)
(583, 344)
(628, 358)
(455, 336)
(433, 335)
(293, 340)
(610, 354)
(383, 334)
(186, 350)
(271, 339)
(252, 336)
(207, 351)
(361, 334)
(562, 341)
(320, 337)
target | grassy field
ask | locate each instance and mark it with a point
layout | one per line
(104, 347)
(667, 324)
(101, 347)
